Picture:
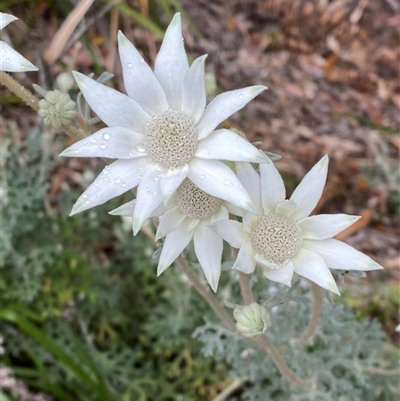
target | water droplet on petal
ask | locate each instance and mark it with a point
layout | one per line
(76, 151)
(93, 140)
(106, 137)
(124, 184)
(7, 60)
(228, 183)
(87, 202)
(141, 148)
(84, 142)
(142, 60)
(102, 146)
(84, 196)
(202, 177)
(241, 96)
(117, 181)
(129, 65)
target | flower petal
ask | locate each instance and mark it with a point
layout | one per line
(223, 106)
(127, 209)
(169, 222)
(251, 181)
(174, 245)
(282, 275)
(272, 187)
(325, 226)
(244, 261)
(5, 19)
(140, 82)
(113, 143)
(309, 191)
(224, 144)
(147, 199)
(115, 179)
(208, 249)
(113, 107)
(310, 265)
(12, 61)
(231, 231)
(171, 181)
(221, 214)
(286, 208)
(194, 91)
(171, 63)
(339, 255)
(217, 179)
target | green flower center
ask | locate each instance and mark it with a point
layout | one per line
(276, 237)
(196, 203)
(171, 139)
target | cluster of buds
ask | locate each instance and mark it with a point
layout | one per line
(57, 109)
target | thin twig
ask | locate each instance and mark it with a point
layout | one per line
(378, 371)
(60, 39)
(235, 385)
(309, 331)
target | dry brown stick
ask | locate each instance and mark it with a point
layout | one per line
(60, 39)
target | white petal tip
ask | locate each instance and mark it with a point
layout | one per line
(332, 287)
(136, 225)
(213, 283)
(161, 269)
(324, 162)
(374, 266)
(257, 89)
(261, 158)
(78, 76)
(249, 207)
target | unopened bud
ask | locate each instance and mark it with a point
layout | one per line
(57, 109)
(252, 320)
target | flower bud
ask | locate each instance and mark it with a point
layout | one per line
(57, 109)
(252, 320)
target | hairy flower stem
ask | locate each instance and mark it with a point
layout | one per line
(264, 343)
(245, 288)
(211, 299)
(309, 331)
(15, 87)
(32, 101)
(284, 369)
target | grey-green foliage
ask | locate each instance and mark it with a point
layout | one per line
(342, 345)
(23, 187)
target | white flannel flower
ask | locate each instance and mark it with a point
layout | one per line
(10, 60)
(186, 218)
(162, 131)
(282, 238)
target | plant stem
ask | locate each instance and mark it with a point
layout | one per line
(264, 342)
(247, 294)
(204, 291)
(15, 87)
(284, 369)
(309, 331)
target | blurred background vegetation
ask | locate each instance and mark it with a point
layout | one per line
(84, 316)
